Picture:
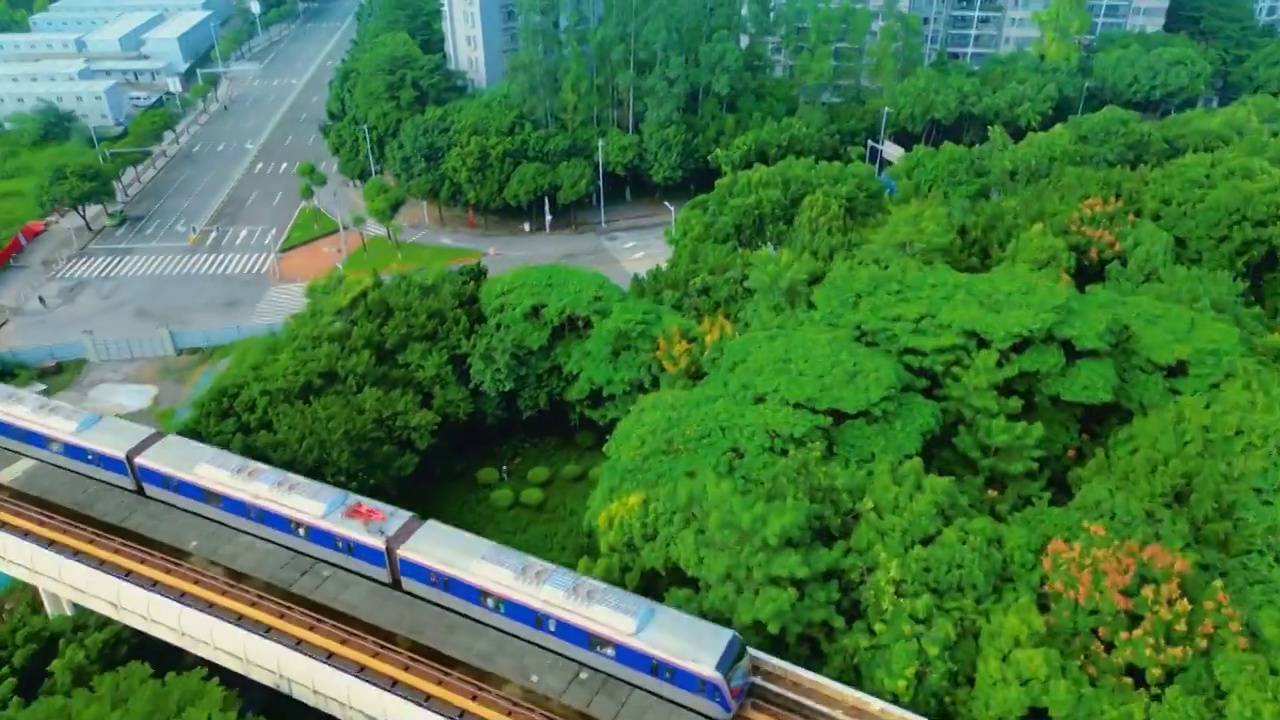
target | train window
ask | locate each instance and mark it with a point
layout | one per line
(551, 624)
(211, 498)
(602, 646)
(444, 584)
(668, 674)
(653, 668)
(298, 528)
(351, 548)
(537, 620)
(702, 686)
(494, 603)
(337, 542)
(255, 514)
(55, 446)
(433, 580)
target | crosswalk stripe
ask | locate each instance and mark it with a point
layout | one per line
(163, 265)
(279, 303)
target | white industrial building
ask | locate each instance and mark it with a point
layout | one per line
(220, 8)
(96, 102)
(18, 46)
(76, 22)
(181, 39)
(37, 73)
(122, 36)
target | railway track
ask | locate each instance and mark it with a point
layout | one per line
(380, 663)
(782, 691)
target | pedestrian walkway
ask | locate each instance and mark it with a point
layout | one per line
(280, 303)
(109, 266)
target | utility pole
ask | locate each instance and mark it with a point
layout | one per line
(368, 146)
(600, 171)
(1084, 92)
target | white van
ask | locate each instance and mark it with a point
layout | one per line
(141, 99)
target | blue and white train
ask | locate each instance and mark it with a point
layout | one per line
(689, 661)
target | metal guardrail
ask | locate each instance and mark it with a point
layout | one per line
(165, 342)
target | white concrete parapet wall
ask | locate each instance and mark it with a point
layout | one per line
(54, 605)
(316, 683)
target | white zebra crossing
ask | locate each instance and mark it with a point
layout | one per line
(280, 303)
(105, 266)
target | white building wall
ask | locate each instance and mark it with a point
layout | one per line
(96, 102)
(123, 35)
(35, 45)
(69, 21)
(30, 72)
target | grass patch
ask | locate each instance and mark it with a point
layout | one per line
(552, 531)
(309, 225)
(380, 255)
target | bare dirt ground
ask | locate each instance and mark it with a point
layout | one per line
(317, 258)
(173, 377)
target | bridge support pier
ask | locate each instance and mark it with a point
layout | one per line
(56, 605)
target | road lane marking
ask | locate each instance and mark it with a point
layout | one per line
(259, 167)
(252, 195)
(220, 146)
(288, 140)
(277, 200)
(313, 139)
(271, 168)
(283, 167)
(197, 147)
(304, 117)
(256, 233)
(153, 227)
(240, 237)
(270, 234)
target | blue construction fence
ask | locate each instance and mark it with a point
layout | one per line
(164, 342)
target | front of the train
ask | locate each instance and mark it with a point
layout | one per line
(739, 676)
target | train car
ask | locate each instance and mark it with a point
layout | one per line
(689, 661)
(312, 518)
(64, 435)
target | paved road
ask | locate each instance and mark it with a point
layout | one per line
(265, 98)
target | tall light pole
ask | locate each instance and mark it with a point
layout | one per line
(1084, 92)
(884, 124)
(600, 172)
(213, 31)
(368, 146)
(97, 149)
(672, 208)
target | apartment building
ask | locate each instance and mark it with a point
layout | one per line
(478, 35)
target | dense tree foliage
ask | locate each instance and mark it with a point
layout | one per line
(998, 446)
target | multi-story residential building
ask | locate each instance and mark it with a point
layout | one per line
(972, 30)
(478, 35)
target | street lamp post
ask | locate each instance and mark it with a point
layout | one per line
(97, 149)
(672, 208)
(600, 174)
(1084, 92)
(217, 51)
(884, 124)
(368, 146)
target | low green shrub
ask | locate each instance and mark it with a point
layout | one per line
(539, 475)
(584, 439)
(504, 498)
(570, 472)
(488, 476)
(532, 497)
(594, 473)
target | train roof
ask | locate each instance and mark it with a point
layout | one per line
(57, 419)
(307, 500)
(626, 616)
